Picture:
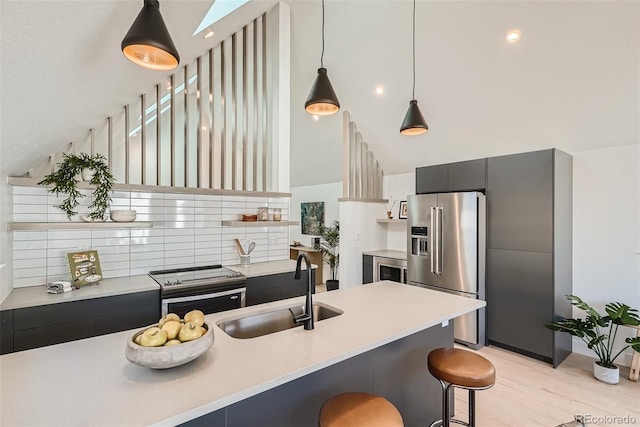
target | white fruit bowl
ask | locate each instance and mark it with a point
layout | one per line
(167, 357)
(123, 216)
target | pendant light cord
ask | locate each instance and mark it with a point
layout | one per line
(413, 91)
(322, 55)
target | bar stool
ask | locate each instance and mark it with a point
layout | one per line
(454, 367)
(359, 410)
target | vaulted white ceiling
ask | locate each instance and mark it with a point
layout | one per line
(572, 82)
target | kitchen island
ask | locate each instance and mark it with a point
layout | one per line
(378, 344)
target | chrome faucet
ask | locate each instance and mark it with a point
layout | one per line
(307, 316)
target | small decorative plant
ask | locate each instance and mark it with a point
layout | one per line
(390, 204)
(329, 243)
(599, 332)
(63, 181)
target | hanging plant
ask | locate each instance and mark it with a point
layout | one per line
(63, 181)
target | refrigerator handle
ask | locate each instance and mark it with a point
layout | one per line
(432, 240)
(439, 238)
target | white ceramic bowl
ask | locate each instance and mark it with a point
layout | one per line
(167, 357)
(123, 216)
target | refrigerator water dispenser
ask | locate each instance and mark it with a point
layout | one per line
(419, 241)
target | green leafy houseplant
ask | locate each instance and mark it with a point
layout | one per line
(63, 181)
(329, 243)
(599, 332)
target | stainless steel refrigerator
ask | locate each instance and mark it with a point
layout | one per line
(446, 249)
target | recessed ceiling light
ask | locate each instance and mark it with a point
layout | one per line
(513, 36)
(208, 34)
(379, 90)
(316, 117)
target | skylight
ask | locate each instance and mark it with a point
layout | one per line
(219, 9)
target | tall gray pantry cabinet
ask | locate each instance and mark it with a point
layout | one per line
(529, 241)
(529, 251)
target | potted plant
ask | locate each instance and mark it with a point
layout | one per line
(329, 242)
(63, 181)
(599, 333)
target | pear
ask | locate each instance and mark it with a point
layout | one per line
(172, 329)
(195, 316)
(153, 337)
(169, 316)
(172, 342)
(190, 331)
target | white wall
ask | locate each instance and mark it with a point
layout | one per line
(398, 187)
(6, 247)
(327, 193)
(359, 232)
(606, 230)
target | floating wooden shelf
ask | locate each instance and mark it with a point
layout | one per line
(259, 223)
(391, 221)
(29, 226)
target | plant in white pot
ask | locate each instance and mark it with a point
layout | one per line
(64, 181)
(599, 333)
(329, 243)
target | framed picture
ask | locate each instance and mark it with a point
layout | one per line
(84, 267)
(312, 215)
(402, 213)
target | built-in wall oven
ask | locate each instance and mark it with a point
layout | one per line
(389, 269)
(211, 289)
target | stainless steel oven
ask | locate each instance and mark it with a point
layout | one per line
(210, 289)
(389, 269)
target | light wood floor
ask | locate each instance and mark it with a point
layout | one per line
(531, 393)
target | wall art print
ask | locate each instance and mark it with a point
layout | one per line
(312, 216)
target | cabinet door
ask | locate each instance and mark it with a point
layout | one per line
(520, 300)
(467, 176)
(431, 179)
(520, 202)
(367, 269)
(54, 334)
(6, 331)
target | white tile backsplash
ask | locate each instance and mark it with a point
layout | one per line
(186, 231)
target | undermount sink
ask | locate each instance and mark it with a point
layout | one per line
(257, 325)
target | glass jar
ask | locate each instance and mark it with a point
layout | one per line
(277, 214)
(263, 214)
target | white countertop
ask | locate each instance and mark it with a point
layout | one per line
(33, 296)
(388, 253)
(37, 295)
(89, 382)
(266, 268)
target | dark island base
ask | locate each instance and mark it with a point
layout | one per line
(397, 371)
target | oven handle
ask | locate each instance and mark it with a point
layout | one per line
(198, 297)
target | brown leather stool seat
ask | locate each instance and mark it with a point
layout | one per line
(454, 367)
(461, 367)
(359, 409)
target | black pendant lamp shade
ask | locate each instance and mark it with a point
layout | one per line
(414, 122)
(322, 100)
(148, 42)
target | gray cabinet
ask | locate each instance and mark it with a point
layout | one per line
(367, 269)
(452, 177)
(38, 326)
(520, 202)
(529, 240)
(274, 287)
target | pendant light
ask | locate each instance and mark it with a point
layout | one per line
(148, 42)
(414, 122)
(322, 100)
